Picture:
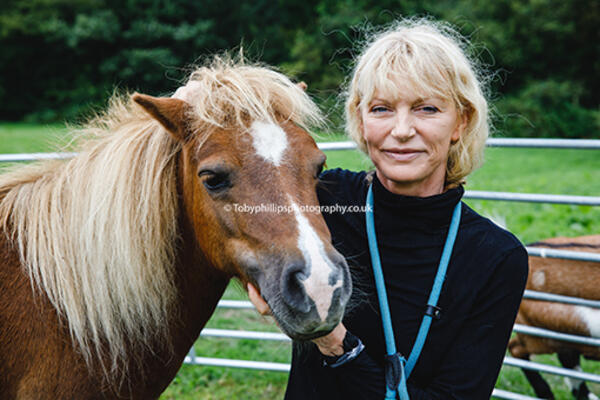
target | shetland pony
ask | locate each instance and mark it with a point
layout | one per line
(112, 262)
(569, 278)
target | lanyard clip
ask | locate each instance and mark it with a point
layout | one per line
(395, 378)
(394, 370)
(434, 312)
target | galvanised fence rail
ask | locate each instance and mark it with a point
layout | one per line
(193, 359)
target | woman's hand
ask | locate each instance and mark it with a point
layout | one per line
(259, 303)
(332, 344)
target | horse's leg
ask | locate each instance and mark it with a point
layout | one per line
(570, 359)
(537, 382)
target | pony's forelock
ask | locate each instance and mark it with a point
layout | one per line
(230, 93)
(98, 233)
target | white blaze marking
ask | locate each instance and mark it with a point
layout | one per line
(185, 93)
(269, 140)
(591, 317)
(317, 284)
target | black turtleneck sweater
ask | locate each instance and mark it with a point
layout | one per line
(484, 283)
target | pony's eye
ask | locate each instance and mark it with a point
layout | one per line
(319, 170)
(215, 181)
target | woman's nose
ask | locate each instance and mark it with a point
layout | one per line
(403, 128)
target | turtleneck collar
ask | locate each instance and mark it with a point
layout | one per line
(431, 213)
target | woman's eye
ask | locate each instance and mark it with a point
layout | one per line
(429, 109)
(378, 109)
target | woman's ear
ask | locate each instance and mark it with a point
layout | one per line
(172, 113)
(460, 127)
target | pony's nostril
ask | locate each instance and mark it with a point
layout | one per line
(292, 287)
(337, 274)
(339, 271)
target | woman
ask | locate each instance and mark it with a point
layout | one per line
(416, 107)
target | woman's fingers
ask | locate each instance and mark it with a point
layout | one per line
(332, 344)
(261, 306)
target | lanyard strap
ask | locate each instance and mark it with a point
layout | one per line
(399, 368)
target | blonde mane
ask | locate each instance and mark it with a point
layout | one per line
(98, 233)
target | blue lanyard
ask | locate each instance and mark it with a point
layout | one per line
(399, 369)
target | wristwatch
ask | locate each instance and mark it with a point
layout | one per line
(352, 347)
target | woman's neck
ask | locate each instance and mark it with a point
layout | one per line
(427, 188)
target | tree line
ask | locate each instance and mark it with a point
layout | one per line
(61, 58)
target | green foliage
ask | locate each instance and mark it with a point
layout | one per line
(60, 57)
(548, 109)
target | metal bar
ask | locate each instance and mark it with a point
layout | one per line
(533, 295)
(550, 369)
(503, 394)
(348, 145)
(565, 254)
(253, 335)
(587, 144)
(533, 198)
(548, 334)
(336, 146)
(192, 354)
(274, 336)
(236, 304)
(281, 367)
(529, 294)
(223, 362)
(34, 156)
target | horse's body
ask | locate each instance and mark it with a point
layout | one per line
(568, 278)
(111, 263)
(38, 360)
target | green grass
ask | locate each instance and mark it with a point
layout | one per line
(575, 172)
(30, 138)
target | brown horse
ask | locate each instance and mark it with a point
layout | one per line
(112, 262)
(568, 278)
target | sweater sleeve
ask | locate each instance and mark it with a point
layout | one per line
(469, 369)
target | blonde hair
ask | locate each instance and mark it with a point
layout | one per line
(430, 59)
(98, 233)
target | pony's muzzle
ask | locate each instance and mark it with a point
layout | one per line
(315, 296)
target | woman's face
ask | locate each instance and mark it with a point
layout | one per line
(408, 139)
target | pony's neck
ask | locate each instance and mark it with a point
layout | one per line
(199, 287)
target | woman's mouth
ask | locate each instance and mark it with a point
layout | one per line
(402, 155)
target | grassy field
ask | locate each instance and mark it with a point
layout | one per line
(575, 172)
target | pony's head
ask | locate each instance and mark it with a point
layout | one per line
(247, 176)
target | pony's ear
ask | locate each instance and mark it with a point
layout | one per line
(172, 113)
